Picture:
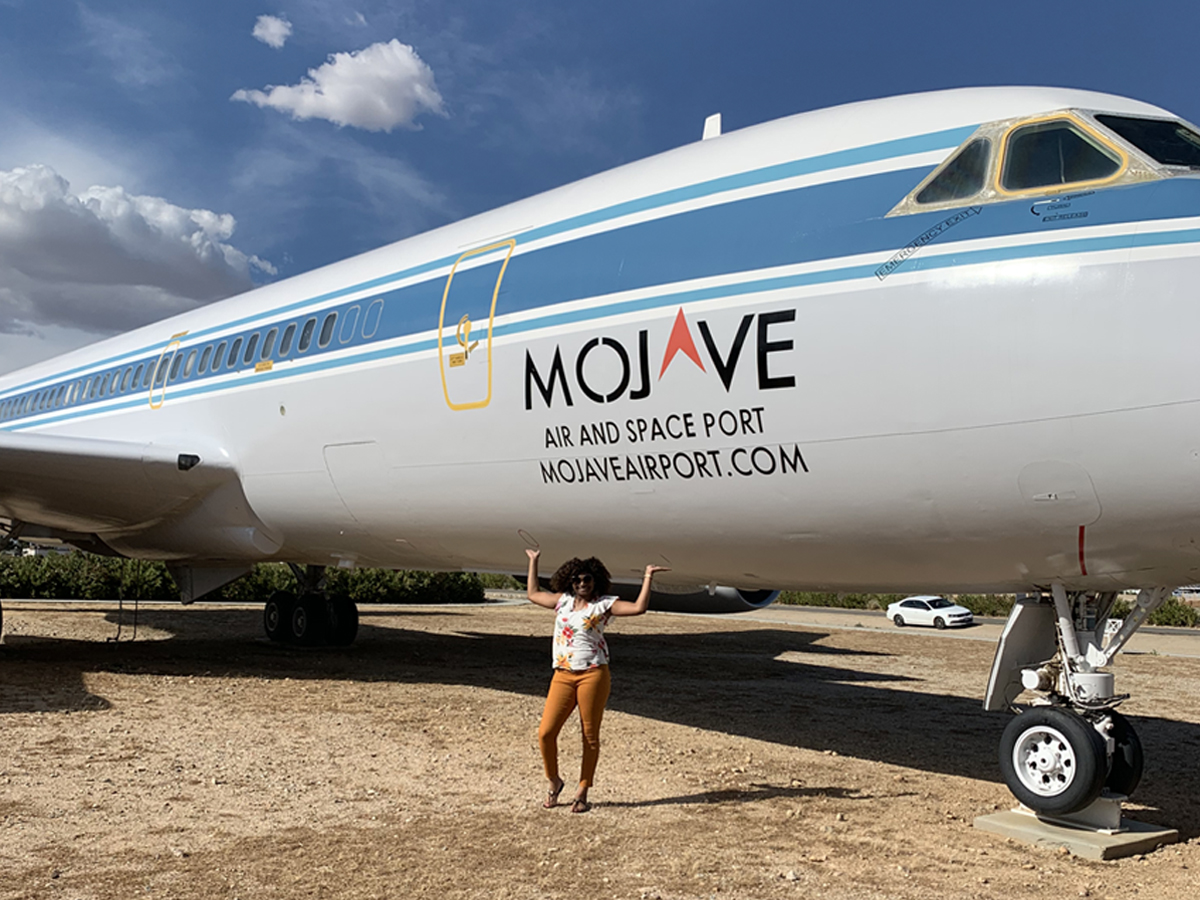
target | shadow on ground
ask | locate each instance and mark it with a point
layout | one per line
(730, 682)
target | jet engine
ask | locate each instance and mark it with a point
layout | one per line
(719, 599)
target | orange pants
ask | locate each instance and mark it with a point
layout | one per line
(589, 691)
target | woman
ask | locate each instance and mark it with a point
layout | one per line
(577, 596)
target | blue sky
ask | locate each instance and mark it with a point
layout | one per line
(159, 155)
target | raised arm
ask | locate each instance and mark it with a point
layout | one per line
(642, 603)
(540, 597)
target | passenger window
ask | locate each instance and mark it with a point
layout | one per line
(58, 397)
(148, 376)
(176, 366)
(137, 376)
(104, 384)
(95, 383)
(190, 365)
(269, 343)
(204, 358)
(962, 178)
(306, 335)
(371, 319)
(1054, 153)
(327, 330)
(125, 380)
(285, 344)
(160, 377)
(251, 344)
(349, 324)
(218, 356)
(234, 349)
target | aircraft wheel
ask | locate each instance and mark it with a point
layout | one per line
(939, 623)
(1128, 759)
(899, 620)
(343, 622)
(1053, 761)
(277, 614)
(307, 624)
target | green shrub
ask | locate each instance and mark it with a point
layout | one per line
(386, 586)
(842, 601)
(84, 576)
(264, 580)
(493, 581)
(1172, 614)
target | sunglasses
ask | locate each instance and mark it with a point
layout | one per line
(582, 579)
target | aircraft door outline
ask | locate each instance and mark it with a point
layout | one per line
(462, 328)
(171, 348)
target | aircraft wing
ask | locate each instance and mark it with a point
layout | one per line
(92, 486)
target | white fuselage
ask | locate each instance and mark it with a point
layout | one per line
(1010, 402)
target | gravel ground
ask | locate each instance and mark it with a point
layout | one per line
(741, 759)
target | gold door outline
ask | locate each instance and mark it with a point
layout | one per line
(478, 404)
(162, 397)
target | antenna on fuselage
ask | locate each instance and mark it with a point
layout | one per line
(712, 127)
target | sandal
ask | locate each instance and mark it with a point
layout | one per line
(552, 796)
(580, 806)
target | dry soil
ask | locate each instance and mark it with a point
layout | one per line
(740, 759)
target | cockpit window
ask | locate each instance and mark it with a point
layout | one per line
(1053, 153)
(1170, 143)
(963, 176)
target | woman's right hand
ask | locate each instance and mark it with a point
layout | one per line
(541, 598)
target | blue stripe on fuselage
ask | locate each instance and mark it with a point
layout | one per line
(940, 140)
(826, 221)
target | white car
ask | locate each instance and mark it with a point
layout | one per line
(929, 610)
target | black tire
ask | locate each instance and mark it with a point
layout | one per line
(899, 620)
(308, 623)
(343, 622)
(1053, 761)
(1128, 760)
(277, 614)
(939, 623)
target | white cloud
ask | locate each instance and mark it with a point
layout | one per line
(105, 260)
(273, 30)
(134, 56)
(383, 87)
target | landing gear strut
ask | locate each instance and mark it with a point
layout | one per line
(310, 617)
(1071, 749)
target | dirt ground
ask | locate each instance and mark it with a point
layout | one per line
(740, 760)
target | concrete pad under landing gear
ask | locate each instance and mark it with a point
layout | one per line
(1079, 838)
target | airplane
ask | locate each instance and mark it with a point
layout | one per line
(938, 341)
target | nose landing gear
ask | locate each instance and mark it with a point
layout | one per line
(1072, 747)
(310, 617)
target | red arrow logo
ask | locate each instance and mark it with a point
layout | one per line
(680, 342)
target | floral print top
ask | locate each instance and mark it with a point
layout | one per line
(579, 642)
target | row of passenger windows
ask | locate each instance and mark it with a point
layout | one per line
(1058, 152)
(278, 342)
